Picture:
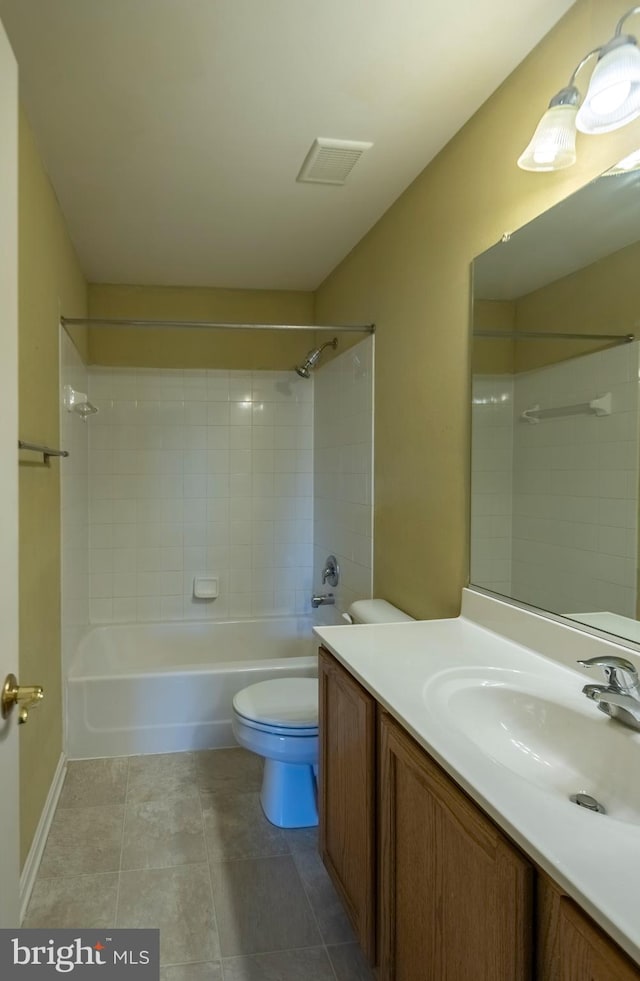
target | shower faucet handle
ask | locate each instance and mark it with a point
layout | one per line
(331, 571)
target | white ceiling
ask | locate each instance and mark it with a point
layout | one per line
(173, 130)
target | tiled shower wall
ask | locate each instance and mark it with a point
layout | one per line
(343, 440)
(74, 498)
(199, 473)
(492, 482)
(575, 502)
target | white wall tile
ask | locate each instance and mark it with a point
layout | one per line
(182, 465)
(342, 415)
(74, 502)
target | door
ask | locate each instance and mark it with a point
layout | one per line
(9, 836)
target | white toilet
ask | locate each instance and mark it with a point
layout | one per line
(279, 720)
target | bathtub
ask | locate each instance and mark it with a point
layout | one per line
(168, 687)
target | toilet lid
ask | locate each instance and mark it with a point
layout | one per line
(287, 702)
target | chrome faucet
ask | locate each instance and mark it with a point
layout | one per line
(620, 698)
(322, 599)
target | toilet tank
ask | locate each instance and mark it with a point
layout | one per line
(375, 611)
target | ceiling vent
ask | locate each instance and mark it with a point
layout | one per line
(331, 161)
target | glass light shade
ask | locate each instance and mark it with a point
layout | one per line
(553, 145)
(613, 97)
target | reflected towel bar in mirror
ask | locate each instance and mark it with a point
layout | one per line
(600, 406)
(523, 335)
(46, 451)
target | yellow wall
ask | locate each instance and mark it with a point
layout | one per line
(603, 298)
(199, 348)
(492, 355)
(411, 273)
(50, 281)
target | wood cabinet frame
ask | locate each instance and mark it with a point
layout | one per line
(347, 785)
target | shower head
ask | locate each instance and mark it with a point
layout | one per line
(311, 360)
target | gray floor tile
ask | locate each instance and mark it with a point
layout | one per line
(349, 963)
(229, 769)
(91, 782)
(312, 964)
(235, 827)
(160, 833)
(332, 920)
(83, 901)
(83, 840)
(261, 906)
(177, 901)
(299, 839)
(168, 775)
(192, 972)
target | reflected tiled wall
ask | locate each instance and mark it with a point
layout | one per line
(74, 498)
(575, 503)
(343, 440)
(491, 482)
(199, 473)
(554, 504)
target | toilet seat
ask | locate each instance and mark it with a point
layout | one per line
(283, 706)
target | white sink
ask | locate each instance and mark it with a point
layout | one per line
(544, 730)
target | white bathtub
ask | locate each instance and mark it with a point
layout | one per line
(166, 687)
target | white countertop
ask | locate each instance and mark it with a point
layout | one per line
(594, 857)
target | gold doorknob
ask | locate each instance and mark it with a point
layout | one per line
(26, 696)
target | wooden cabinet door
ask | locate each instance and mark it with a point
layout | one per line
(456, 898)
(346, 790)
(570, 946)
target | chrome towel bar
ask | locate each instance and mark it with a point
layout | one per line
(46, 451)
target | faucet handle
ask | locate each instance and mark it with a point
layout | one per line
(620, 673)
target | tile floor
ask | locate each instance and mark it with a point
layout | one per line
(180, 842)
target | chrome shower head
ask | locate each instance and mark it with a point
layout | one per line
(311, 360)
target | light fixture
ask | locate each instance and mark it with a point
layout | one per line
(553, 145)
(612, 101)
(613, 96)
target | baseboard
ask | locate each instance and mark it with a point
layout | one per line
(32, 864)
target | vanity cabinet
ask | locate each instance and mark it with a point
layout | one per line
(346, 794)
(434, 889)
(570, 946)
(456, 898)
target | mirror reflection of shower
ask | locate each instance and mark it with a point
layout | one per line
(312, 358)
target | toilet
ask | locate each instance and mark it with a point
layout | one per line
(278, 720)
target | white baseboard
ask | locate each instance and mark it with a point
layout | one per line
(32, 864)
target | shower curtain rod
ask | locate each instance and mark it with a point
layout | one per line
(519, 335)
(115, 322)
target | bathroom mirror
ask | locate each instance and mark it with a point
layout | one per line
(555, 409)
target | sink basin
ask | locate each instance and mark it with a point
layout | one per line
(545, 730)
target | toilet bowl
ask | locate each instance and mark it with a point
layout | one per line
(278, 720)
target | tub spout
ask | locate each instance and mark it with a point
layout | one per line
(322, 599)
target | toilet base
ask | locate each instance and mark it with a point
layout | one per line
(289, 794)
